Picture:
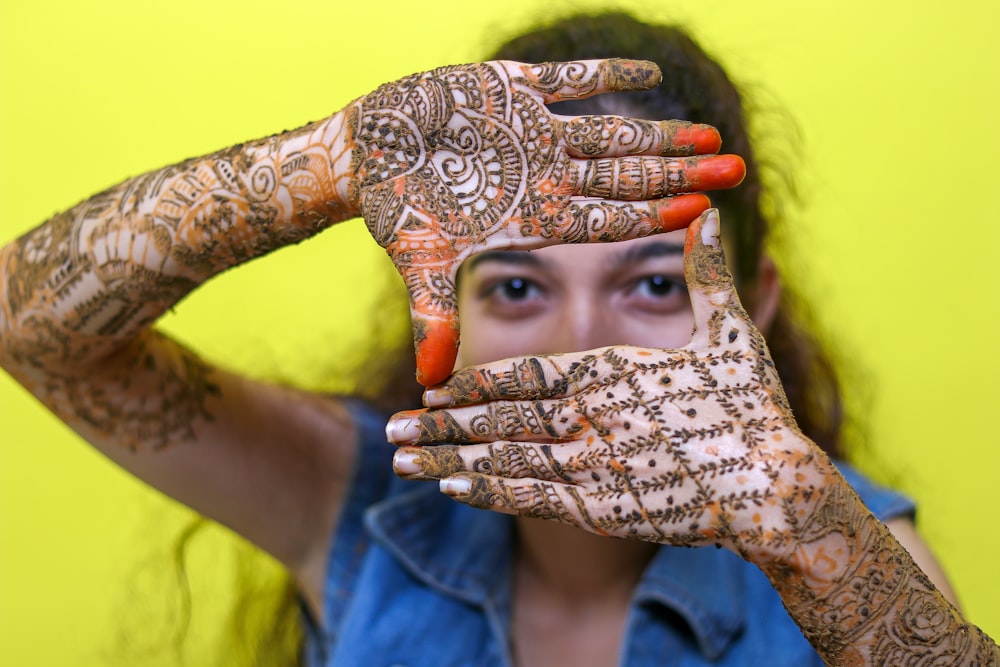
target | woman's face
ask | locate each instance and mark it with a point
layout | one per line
(570, 298)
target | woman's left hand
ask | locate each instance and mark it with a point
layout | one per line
(688, 446)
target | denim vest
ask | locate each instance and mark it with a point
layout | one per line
(416, 579)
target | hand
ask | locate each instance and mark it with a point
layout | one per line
(690, 446)
(459, 160)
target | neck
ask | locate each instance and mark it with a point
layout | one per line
(574, 564)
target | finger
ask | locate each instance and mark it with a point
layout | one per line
(586, 220)
(643, 177)
(583, 78)
(615, 136)
(503, 459)
(529, 378)
(718, 314)
(525, 497)
(434, 314)
(499, 420)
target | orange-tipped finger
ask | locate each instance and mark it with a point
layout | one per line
(717, 172)
(436, 343)
(704, 138)
(678, 212)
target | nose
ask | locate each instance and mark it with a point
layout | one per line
(586, 323)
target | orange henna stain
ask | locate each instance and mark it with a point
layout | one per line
(704, 138)
(436, 352)
(679, 211)
(717, 172)
(828, 563)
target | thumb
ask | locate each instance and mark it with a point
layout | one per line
(710, 284)
(435, 337)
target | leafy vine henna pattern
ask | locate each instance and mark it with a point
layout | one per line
(691, 447)
(468, 158)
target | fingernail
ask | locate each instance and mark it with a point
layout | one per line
(405, 462)
(710, 229)
(402, 430)
(455, 486)
(438, 398)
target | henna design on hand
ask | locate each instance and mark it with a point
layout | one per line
(464, 159)
(679, 446)
(690, 447)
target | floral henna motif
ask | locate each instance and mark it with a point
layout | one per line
(465, 159)
(872, 605)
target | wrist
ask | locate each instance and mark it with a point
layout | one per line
(305, 175)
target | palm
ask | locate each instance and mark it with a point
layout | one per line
(464, 159)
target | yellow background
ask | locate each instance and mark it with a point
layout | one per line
(897, 244)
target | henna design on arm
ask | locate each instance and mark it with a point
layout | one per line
(858, 596)
(84, 288)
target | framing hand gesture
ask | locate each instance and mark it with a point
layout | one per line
(463, 159)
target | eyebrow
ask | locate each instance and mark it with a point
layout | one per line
(646, 251)
(515, 257)
(633, 255)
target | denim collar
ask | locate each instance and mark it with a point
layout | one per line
(466, 553)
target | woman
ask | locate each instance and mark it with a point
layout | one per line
(282, 467)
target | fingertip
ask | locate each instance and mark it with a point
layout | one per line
(437, 348)
(709, 228)
(678, 212)
(705, 139)
(624, 74)
(703, 231)
(455, 486)
(718, 172)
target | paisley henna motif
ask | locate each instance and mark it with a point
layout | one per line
(464, 159)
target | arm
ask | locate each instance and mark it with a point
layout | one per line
(691, 447)
(78, 296)
(441, 164)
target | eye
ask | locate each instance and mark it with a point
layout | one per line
(658, 286)
(513, 297)
(514, 289)
(659, 293)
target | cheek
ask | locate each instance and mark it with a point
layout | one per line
(484, 339)
(659, 332)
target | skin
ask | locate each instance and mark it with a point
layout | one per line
(690, 446)
(442, 165)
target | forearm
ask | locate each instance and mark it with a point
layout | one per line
(92, 278)
(859, 597)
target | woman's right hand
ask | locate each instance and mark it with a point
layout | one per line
(452, 162)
